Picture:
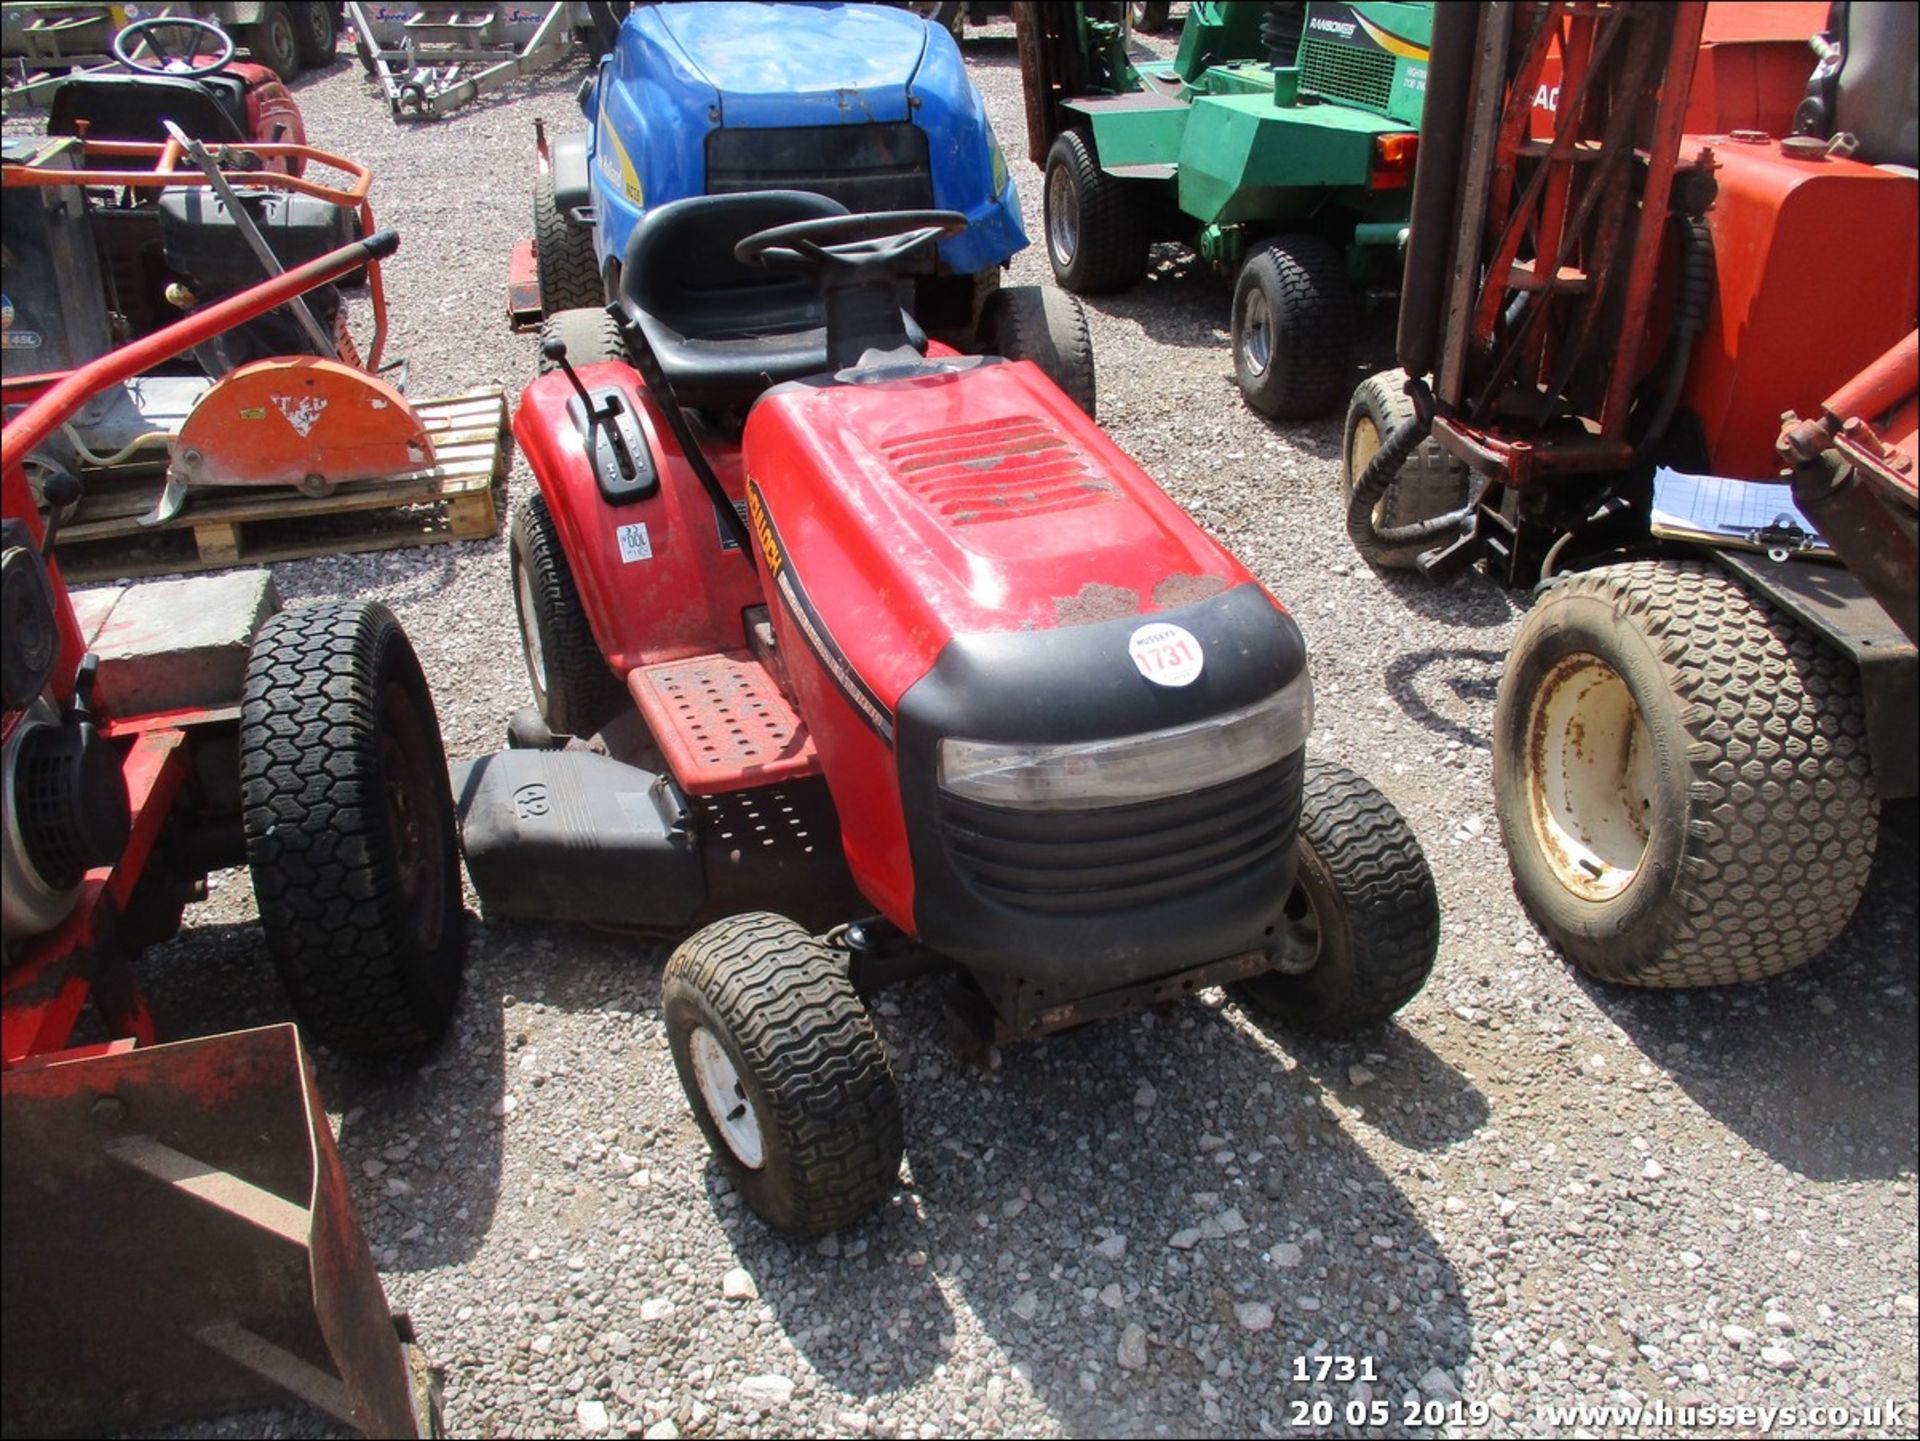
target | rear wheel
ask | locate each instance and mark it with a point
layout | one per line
(563, 258)
(1048, 327)
(1682, 778)
(1293, 324)
(1430, 483)
(786, 1075)
(1151, 16)
(1096, 225)
(572, 686)
(1362, 926)
(348, 816)
(590, 335)
(274, 39)
(315, 34)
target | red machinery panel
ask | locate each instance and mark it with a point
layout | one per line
(893, 515)
(659, 579)
(1817, 275)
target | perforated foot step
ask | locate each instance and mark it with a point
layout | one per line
(723, 724)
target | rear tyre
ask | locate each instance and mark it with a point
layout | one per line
(1682, 778)
(1363, 922)
(785, 1073)
(1096, 225)
(348, 817)
(1430, 483)
(572, 687)
(1048, 327)
(274, 39)
(1293, 324)
(315, 34)
(1151, 16)
(590, 334)
(563, 259)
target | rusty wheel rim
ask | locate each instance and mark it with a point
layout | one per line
(1590, 777)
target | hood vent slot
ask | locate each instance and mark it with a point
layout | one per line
(1003, 469)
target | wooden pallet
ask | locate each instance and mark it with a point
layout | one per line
(457, 498)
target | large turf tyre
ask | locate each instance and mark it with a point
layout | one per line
(274, 39)
(1048, 327)
(1363, 922)
(348, 816)
(1095, 223)
(1682, 778)
(590, 334)
(563, 258)
(785, 1073)
(1293, 324)
(572, 687)
(316, 34)
(1430, 483)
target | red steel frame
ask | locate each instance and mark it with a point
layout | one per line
(41, 997)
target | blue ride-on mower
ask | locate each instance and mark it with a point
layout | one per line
(868, 105)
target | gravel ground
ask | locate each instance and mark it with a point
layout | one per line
(1528, 1192)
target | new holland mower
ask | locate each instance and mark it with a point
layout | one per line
(867, 105)
(869, 658)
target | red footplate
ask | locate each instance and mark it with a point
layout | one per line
(722, 723)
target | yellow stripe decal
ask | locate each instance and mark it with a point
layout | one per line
(1390, 43)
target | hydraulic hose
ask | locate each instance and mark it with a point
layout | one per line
(1689, 319)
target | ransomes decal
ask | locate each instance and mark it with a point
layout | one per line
(1347, 25)
(786, 581)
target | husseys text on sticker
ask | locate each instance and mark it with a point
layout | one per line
(1166, 654)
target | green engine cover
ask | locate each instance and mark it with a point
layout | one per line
(1370, 55)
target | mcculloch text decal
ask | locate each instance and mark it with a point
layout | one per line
(786, 581)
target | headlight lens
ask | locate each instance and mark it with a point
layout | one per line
(1125, 769)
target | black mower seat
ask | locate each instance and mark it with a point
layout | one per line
(210, 108)
(723, 331)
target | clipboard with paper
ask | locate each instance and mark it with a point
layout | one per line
(1718, 510)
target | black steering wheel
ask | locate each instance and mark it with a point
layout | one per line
(182, 63)
(874, 239)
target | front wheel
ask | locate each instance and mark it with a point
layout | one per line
(348, 815)
(1293, 325)
(1362, 926)
(1682, 778)
(785, 1072)
(1048, 327)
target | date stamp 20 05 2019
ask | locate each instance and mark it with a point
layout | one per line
(1363, 1412)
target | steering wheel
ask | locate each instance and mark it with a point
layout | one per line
(147, 31)
(874, 239)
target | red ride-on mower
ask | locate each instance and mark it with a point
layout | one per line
(153, 734)
(181, 70)
(898, 643)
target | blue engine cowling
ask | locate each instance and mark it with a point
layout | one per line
(867, 103)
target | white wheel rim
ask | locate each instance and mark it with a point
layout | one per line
(1063, 216)
(726, 1098)
(1256, 332)
(1590, 777)
(530, 629)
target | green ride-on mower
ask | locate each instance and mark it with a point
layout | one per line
(1279, 143)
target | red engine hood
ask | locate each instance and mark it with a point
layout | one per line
(984, 500)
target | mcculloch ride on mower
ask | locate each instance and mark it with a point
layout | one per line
(865, 104)
(915, 655)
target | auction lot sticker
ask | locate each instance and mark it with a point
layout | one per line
(1166, 654)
